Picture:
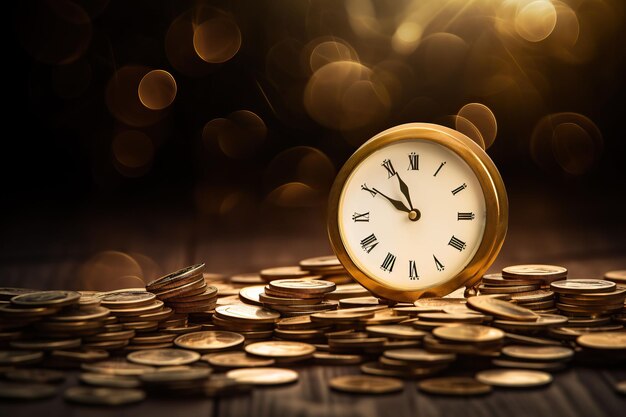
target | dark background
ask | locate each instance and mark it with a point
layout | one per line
(66, 196)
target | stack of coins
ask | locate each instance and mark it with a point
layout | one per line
(293, 297)
(252, 322)
(408, 363)
(328, 267)
(185, 291)
(588, 302)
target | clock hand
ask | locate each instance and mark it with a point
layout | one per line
(405, 191)
(396, 203)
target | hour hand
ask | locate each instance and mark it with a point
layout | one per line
(399, 205)
(405, 191)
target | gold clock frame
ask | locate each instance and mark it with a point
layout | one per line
(496, 205)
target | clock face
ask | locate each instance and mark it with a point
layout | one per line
(412, 214)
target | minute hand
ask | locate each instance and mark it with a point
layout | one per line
(405, 191)
(396, 203)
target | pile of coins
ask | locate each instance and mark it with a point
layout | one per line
(196, 333)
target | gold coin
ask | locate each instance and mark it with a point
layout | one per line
(420, 356)
(396, 331)
(263, 376)
(325, 358)
(125, 299)
(180, 277)
(111, 381)
(534, 271)
(525, 364)
(175, 374)
(104, 396)
(343, 291)
(209, 340)
(236, 360)
(40, 376)
(458, 385)
(26, 391)
(348, 314)
(603, 340)
(577, 286)
(46, 298)
(540, 353)
(90, 313)
(366, 384)
(498, 279)
(117, 367)
(6, 293)
(154, 306)
(15, 357)
(308, 286)
(45, 344)
(544, 321)
(11, 311)
(247, 313)
(299, 323)
(514, 378)
(283, 272)
(80, 355)
(453, 317)
(268, 299)
(507, 290)
(471, 333)
(616, 276)
(250, 295)
(533, 296)
(281, 349)
(329, 261)
(163, 357)
(198, 286)
(501, 308)
(438, 302)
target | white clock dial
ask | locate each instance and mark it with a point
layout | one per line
(414, 244)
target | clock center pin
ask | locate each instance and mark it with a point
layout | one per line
(414, 215)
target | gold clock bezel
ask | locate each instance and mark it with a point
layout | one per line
(496, 205)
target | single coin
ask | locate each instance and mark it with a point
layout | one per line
(544, 320)
(123, 299)
(343, 291)
(46, 298)
(396, 331)
(280, 301)
(280, 349)
(209, 340)
(366, 384)
(530, 340)
(501, 308)
(103, 396)
(250, 295)
(236, 360)
(438, 302)
(420, 356)
(461, 386)
(6, 293)
(153, 306)
(175, 374)
(453, 317)
(247, 313)
(15, 357)
(22, 312)
(83, 313)
(163, 357)
(603, 340)
(498, 279)
(283, 272)
(326, 358)
(576, 286)
(616, 276)
(514, 378)
(299, 323)
(329, 261)
(540, 353)
(110, 381)
(348, 314)
(117, 367)
(14, 391)
(263, 376)
(45, 344)
(41, 376)
(470, 333)
(180, 277)
(483, 289)
(310, 286)
(534, 271)
(533, 296)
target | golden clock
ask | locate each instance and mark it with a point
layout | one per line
(419, 210)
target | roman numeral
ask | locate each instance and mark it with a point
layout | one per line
(388, 263)
(465, 216)
(439, 169)
(372, 192)
(369, 243)
(459, 189)
(389, 167)
(438, 264)
(413, 270)
(456, 243)
(361, 217)
(414, 162)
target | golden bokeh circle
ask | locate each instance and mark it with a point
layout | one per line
(536, 20)
(483, 118)
(217, 40)
(133, 153)
(157, 89)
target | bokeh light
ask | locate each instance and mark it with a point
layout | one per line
(109, 270)
(468, 128)
(294, 194)
(237, 136)
(483, 119)
(217, 40)
(330, 49)
(122, 97)
(157, 89)
(133, 152)
(536, 20)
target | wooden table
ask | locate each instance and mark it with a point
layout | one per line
(48, 249)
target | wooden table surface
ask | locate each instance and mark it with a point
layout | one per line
(50, 249)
